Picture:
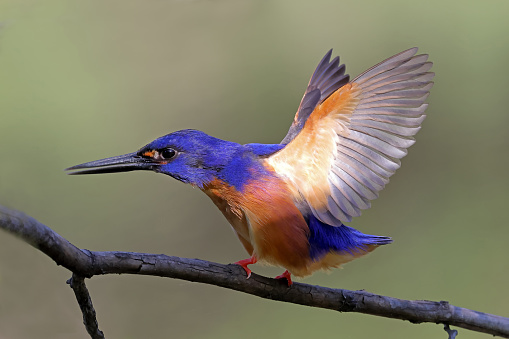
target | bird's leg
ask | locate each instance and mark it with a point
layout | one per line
(246, 262)
(286, 275)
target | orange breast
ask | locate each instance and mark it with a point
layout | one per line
(226, 198)
(266, 220)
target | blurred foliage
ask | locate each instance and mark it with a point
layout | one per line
(82, 80)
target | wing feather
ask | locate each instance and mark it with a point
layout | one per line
(327, 78)
(340, 189)
(405, 93)
(364, 193)
(391, 119)
(353, 140)
(326, 216)
(335, 209)
(393, 102)
(386, 65)
(376, 144)
(364, 164)
(417, 82)
(393, 139)
(370, 180)
(391, 165)
(391, 128)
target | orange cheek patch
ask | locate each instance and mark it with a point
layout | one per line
(149, 153)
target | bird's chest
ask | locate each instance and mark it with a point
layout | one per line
(228, 201)
(265, 216)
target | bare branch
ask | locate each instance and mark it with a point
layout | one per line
(452, 333)
(45, 239)
(89, 263)
(77, 284)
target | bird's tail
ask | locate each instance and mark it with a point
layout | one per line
(324, 239)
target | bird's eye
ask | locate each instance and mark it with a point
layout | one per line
(167, 153)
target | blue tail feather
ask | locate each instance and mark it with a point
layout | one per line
(324, 238)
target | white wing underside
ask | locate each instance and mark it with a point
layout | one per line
(388, 115)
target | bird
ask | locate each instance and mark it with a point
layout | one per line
(288, 202)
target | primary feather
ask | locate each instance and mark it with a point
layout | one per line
(328, 77)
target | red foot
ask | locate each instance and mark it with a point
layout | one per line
(246, 262)
(287, 275)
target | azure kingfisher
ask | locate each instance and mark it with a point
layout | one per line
(287, 202)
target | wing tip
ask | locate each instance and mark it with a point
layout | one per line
(402, 57)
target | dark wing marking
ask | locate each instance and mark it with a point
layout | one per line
(328, 77)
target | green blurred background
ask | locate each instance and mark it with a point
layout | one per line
(83, 80)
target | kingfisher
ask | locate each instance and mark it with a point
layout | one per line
(288, 202)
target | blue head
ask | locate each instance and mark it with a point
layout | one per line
(190, 156)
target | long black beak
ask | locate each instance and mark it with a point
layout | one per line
(121, 163)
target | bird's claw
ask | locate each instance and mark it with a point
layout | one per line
(286, 275)
(245, 262)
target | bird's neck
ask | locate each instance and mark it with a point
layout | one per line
(233, 164)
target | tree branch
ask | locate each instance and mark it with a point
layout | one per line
(85, 263)
(77, 284)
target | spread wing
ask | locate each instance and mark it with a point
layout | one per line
(352, 141)
(328, 77)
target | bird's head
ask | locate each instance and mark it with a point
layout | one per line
(188, 155)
